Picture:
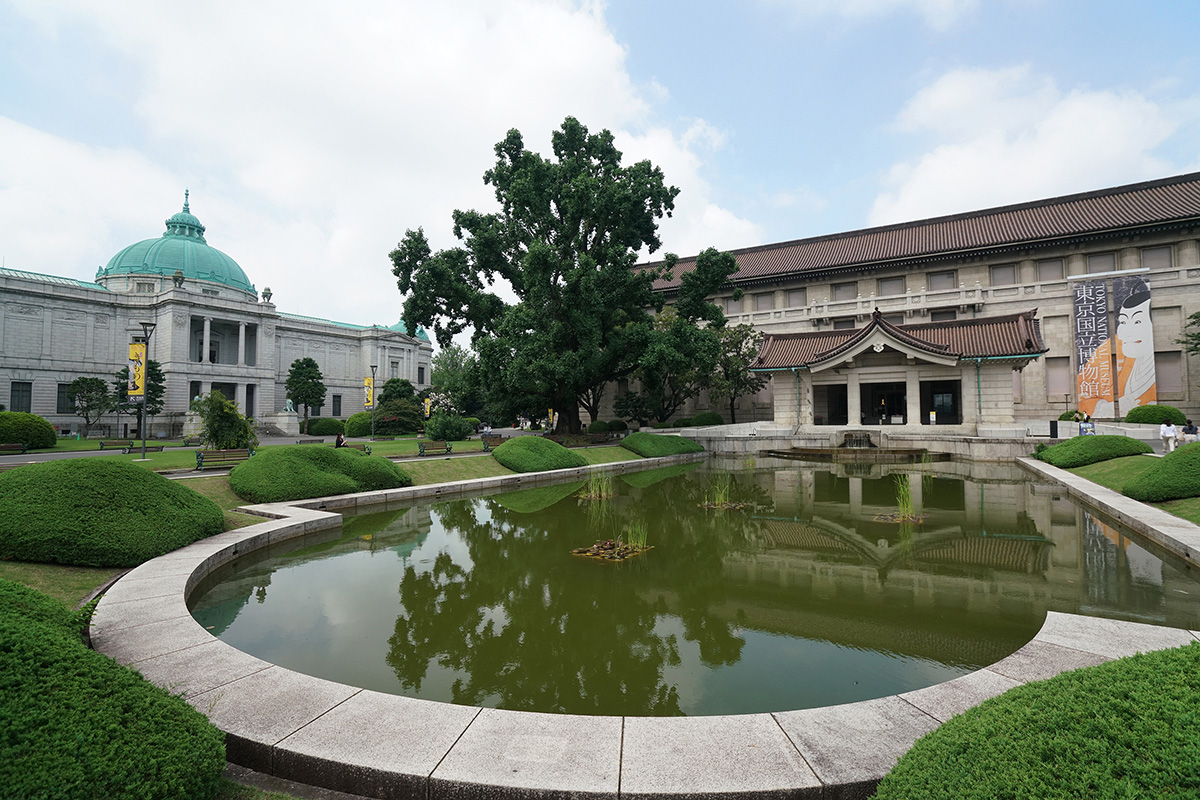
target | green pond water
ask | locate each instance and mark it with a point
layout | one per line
(825, 586)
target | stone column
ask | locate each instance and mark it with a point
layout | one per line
(912, 391)
(241, 344)
(853, 398)
(805, 386)
(207, 340)
(238, 395)
(855, 498)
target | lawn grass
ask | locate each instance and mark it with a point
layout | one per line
(1114, 474)
(64, 583)
(216, 488)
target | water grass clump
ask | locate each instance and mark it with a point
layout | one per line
(632, 543)
(598, 487)
(718, 494)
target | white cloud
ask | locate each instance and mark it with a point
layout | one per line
(938, 14)
(313, 134)
(1011, 135)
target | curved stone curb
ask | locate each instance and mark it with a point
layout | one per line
(379, 745)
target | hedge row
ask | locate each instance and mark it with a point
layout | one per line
(98, 512)
(655, 445)
(303, 471)
(325, 426)
(74, 723)
(1082, 450)
(535, 454)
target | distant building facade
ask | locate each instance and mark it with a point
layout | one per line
(213, 330)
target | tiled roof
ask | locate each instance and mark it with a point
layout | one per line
(1168, 200)
(37, 276)
(1008, 336)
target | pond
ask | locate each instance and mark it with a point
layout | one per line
(797, 586)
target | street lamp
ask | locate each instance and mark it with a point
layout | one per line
(374, 400)
(147, 330)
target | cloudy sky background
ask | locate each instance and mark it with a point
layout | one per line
(313, 134)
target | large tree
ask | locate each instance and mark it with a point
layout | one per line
(456, 377)
(305, 385)
(565, 240)
(91, 399)
(733, 378)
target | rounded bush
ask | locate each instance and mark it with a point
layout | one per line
(1154, 415)
(1069, 416)
(1127, 728)
(618, 425)
(535, 454)
(326, 426)
(706, 418)
(448, 428)
(683, 422)
(17, 427)
(1172, 477)
(300, 472)
(396, 417)
(98, 512)
(654, 445)
(75, 723)
(359, 425)
(599, 426)
(1082, 450)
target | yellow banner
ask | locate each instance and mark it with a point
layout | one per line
(137, 370)
(428, 403)
(368, 392)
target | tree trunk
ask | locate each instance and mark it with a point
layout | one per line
(568, 419)
(732, 412)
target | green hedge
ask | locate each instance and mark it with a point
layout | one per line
(1154, 415)
(618, 425)
(359, 425)
(654, 445)
(74, 723)
(448, 427)
(535, 454)
(599, 426)
(17, 427)
(325, 426)
(98, 512)
(705, 418)
(1128, 728)
(1082, 450)
(302, 471)
(1172, 477)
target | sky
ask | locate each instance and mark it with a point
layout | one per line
(312, 135)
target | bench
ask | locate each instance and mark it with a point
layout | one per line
(121, 445)
(221, 458)
(432, 448)
(150, 448)
(356, 446)
(310, 441)
(14, 447)
(490, 442)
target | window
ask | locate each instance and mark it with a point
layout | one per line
(395, 367)
(144, 287)
(1101, 262)
(894, 319)
(843, 324)
(943, 315)
(1168, 372)
(845, 291)
(891, 286)
(797, 298)
(764, 301)
(420, 375)
(65, 406)
(942, 281)
(1004, 274)
(213, 292)
(1058, 377)
(1156, 258)
(20, 396)
(337, 405)
(1050, 270)
(733, 306)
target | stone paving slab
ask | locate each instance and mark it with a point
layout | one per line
(945, 700)
(1109, 637)
(131, 645)
(176, 671)
(1040, 660)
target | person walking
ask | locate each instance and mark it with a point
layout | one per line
(1167, 433)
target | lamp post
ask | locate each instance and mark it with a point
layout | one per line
(374, 400)
(147, 331)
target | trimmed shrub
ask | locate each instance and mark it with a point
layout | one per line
(98, 512)
(618, 425)
(326, 426)
(303, 471)
(448, 427)
(76, 724)
(1172, 477)
(396, 417)
(17, 427)
(359, 424)
(1082, 450)
(1069, 416)
(475, 422)
(653, 445)
(705, 418)
(683, 422)
(599, 426)
(535, 454)
(1127, 728)
(1155, 415)
(661, 425)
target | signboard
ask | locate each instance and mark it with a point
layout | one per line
(1093, 349)
(1134, 343)
(1087, 429)
(368, 392)
(136, 388)
(428, 405)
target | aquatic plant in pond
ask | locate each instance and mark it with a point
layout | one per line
(718, 493)
(598, 486)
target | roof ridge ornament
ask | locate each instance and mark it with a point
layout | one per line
(186, 192)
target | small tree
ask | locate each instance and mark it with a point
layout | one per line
(91, 399)
(397, 389)
(155, 390)
(305, 385)
(733, 378)
(222, 426)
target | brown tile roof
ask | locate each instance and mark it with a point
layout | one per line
(1169, 200)
(1008, 336)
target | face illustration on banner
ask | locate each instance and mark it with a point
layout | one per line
(1136, 382)
(1133, 326)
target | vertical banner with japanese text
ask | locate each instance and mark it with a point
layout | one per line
(136, 387)
(368, 392)
(1134, 343)
(1093, 349)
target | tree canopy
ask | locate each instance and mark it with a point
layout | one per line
(566, 240)
(155, 389)
(732, 378)
(305, 384)
(91, 400)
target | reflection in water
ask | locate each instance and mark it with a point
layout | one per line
(827, 588)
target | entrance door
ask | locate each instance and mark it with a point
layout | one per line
(884, 403)
(944, 399)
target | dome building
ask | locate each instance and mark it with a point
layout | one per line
(213, 330)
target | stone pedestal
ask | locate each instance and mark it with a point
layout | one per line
(286, 421)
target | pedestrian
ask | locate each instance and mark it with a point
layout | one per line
(340, 441)
(1190, 432)
(1166, 432)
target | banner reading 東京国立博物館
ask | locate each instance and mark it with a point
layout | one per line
(1093, 349)
(1134, 343)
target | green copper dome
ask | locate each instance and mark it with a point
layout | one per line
(181, 248)
(402, 327)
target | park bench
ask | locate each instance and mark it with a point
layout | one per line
(356, 446)
(490, 442)
(117, 445)
(432, 448)
(221, 458)
(14, 447)
(310, 441)
(137, 448)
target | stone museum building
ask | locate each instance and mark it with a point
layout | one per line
(212, 330)
(982, 320)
